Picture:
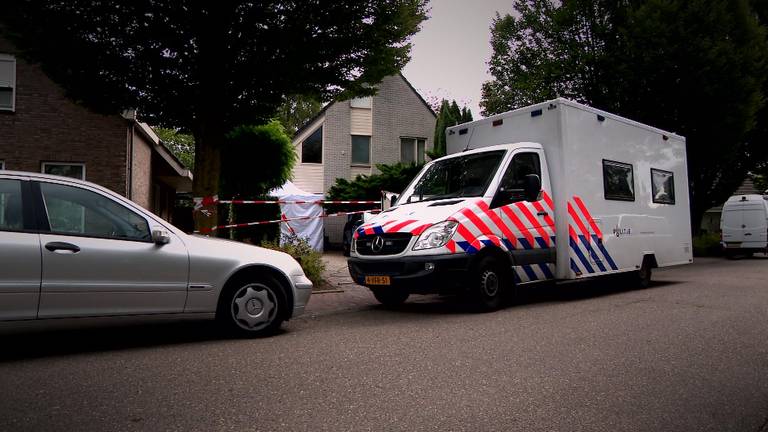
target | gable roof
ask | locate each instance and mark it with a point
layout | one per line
(320, 113)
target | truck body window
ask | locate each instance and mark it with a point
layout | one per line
(663, 184)
(618, 181)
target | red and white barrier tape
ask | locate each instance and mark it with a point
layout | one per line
(284, 219)
(295, 202)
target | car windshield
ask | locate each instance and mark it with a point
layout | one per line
(463, 176)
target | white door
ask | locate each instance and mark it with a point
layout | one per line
(732, 221)
(99, 259)
(755, 227)
(19, 255)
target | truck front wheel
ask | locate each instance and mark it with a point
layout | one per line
(487, 284)
(390, 297)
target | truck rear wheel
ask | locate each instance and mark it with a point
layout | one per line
(390, 297)
(643, 276)
(487, 285)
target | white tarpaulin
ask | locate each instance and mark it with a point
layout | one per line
(310, 229)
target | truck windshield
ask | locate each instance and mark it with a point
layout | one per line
(463, 176)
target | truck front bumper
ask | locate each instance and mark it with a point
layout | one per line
(419, 274)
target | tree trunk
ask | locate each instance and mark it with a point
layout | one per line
(206, 182)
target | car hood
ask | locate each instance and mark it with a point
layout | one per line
(203, 248)
(415, 217)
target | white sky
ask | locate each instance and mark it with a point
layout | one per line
(450, 53)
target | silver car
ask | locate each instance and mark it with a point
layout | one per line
(70, 248)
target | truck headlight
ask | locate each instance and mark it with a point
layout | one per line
(436, 236)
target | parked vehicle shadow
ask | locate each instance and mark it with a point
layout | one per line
(525, 296)
(21, 341)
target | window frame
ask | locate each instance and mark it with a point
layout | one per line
(611, 197)
(53, 163)
(10, 59)
(322, 139)
(45, 225)
(415, 149)
(364, 102)
(653, 187)
(351, 151)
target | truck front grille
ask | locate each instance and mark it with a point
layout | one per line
(382, 244)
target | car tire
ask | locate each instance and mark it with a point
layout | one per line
(487, 285)
(252, 308)
(390, 297)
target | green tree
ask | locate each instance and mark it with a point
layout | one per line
(208, 67)
(391, 178)
(244, 147)
(696, 67)
(297, 110)
(449, 114)
(181, 145)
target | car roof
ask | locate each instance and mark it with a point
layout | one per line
(41, 176)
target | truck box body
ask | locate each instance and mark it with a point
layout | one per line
(576, 140)
(556, 190)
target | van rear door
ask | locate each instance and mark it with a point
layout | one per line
(733, 232)
(755, 233)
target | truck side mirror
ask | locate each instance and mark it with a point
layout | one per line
(392, 200)
(532, 187)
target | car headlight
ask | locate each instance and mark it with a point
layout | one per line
(436, 236)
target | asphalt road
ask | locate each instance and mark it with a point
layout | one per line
(688, 354)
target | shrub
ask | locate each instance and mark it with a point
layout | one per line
(392, 178)
(707, 245)
(298, 247)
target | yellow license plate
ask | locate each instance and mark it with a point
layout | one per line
(377, 280)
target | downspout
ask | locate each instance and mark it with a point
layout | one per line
(130, 160)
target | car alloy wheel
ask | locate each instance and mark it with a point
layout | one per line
(254, 307)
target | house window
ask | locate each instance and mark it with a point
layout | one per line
(618, 181)
(412, 150)
(361, 102)
(312, 147)
(663, 186)
(65, 169)
(361, 150)
(7, 82)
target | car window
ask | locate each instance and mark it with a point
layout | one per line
(72, 210)
(522, 165)
(10, 206)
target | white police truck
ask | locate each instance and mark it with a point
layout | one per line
(553, 191)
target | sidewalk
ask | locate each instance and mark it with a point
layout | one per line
(342, 293)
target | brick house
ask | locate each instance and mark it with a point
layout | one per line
(41, 130)
(350, 137)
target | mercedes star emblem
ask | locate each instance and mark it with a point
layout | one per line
(377, 244)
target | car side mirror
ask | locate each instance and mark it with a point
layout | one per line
(161, 237)
(392, 200)
(532, 188)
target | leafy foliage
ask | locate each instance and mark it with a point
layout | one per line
(209, 67)
(299, 248)
(696, 67)
(392, 178)
(295, 111)
(448, 115)
(268, 148)
(181, 145)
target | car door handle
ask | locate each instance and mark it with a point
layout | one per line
(542, 213)
(746, 234)
(62, 246)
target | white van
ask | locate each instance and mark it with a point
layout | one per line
(744, 225)
(554, 191)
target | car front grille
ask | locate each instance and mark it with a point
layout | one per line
(389, 243)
